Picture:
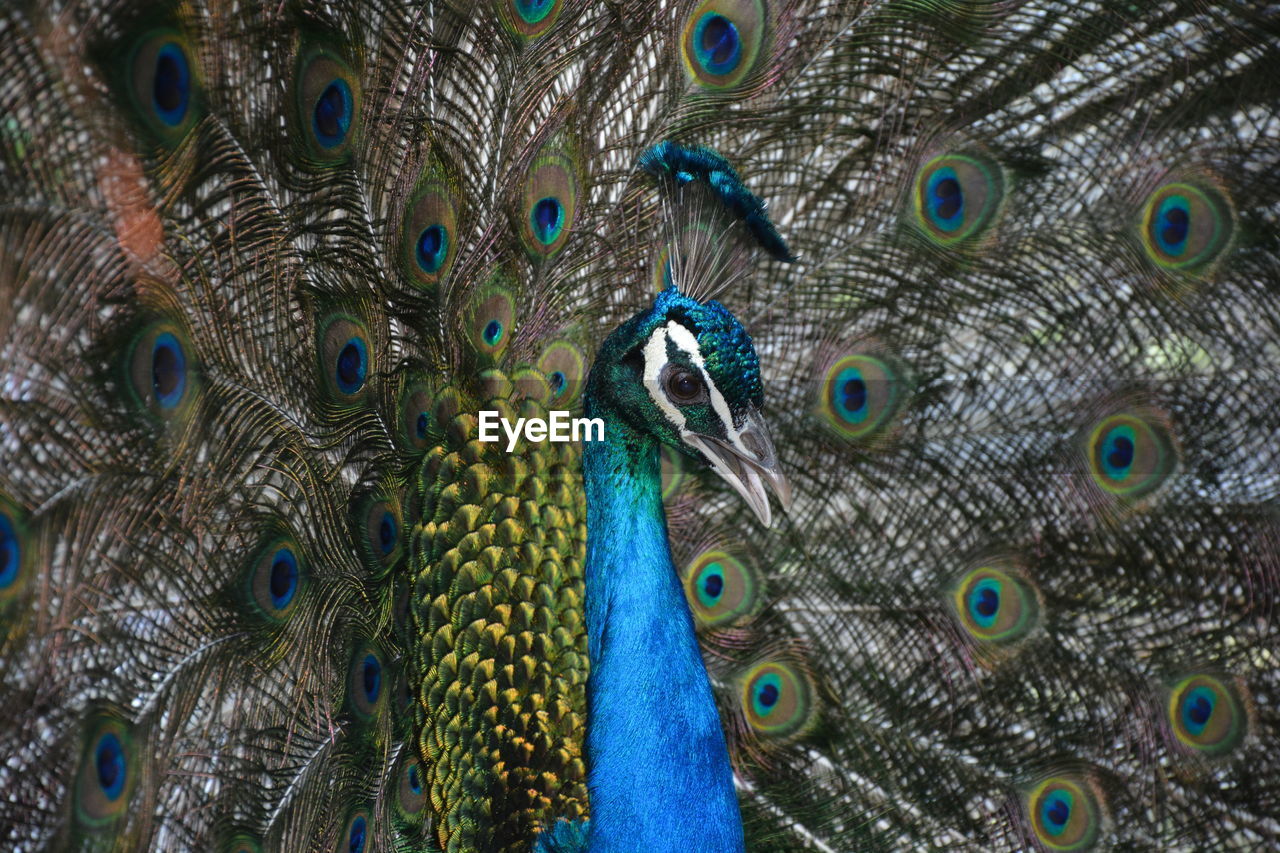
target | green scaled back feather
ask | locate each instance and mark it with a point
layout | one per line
(262, 588)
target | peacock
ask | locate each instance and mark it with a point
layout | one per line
(933, 347)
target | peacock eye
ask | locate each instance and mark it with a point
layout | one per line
(684, 386)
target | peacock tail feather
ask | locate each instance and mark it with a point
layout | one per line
(1012, 269)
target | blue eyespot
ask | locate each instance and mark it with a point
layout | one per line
(768, 689)
(1197, 709)
(163, 84)
(429, 230)
(1187, 225)
(778, 699)
(283, 582)
(564, 365)
(387, 533)
(492, 333)
(995, 604)
(549, 200)
(356, 835)
(352, 366)
(1131, 454)
(171, 87)
(710, 584)
(984, 602)
(1065, 813)
(109, 761)
(547, 219)
(433, 248)
(1172, 225)
(1055, 811)
(371, 675)
(410, 800)
(365, 677)
(161, 373)
(1208, 714)
(721, 589)
(415, 779)
(331, 117)
(958, 197)
(721, 43)
(945, 199)
(1116, 452)
(168, 370)
(104, 781)
(533, 11)
(415, 415)
(378, 520)
(10, 551)
(860, 396)
(717, 44)
(851, 404)
(276, 578)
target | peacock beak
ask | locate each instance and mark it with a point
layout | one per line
(747, 462)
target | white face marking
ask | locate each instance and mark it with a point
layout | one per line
(655, 358)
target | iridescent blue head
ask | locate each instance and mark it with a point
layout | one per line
(687, 374)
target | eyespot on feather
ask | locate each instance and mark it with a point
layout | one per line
(429, 238)
(957, 198)
(565, 367)
(1130, 455)
(777, 699)
(162, 84)
(1207, 715)
(15, 550)
(366, 683)
(276, 578)
(723, 41)
(380, 531)
(1186, 226)
(345, 357)
(529, 19)
(416, 425)
(994, 603)
(721, 589)
(490, 324)
(411, 790)
(861, 396)
(161, 371)
(107, 773)
(327, 99)
(354, 837)
(1065, 812)
(549, 202)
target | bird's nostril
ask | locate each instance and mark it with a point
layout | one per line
(753, 444)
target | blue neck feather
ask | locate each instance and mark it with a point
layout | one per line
(659, 777)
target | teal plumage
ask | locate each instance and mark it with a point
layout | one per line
(262, 588)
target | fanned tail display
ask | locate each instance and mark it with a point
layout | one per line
(1002, 276)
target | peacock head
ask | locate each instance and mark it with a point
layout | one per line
(686, 373)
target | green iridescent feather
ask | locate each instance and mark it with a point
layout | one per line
(262, 587)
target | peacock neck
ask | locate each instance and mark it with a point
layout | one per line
(659, 777)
